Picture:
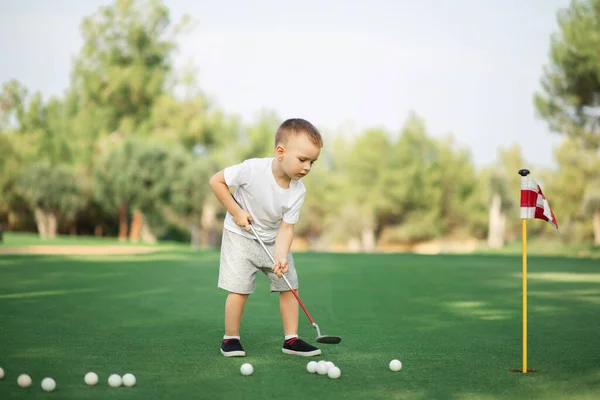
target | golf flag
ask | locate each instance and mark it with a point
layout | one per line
(534, 205)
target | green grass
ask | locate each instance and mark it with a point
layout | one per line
(454, 321)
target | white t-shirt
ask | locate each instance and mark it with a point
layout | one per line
(259, 194)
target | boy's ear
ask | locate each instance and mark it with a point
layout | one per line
(279, 150)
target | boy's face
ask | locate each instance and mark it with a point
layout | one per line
(297, 155)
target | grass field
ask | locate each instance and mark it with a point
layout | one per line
(454, 321)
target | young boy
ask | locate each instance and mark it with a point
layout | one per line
(269, 194)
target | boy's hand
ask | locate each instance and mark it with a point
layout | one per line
(243, 219)
(280, 267)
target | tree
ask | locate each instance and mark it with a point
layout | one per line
(572, 189)
(122, 70)
(411, 190)
(591, 206)
(358, 197)
(137, 175)
(188, 194)
(52, 193)
(570, 97)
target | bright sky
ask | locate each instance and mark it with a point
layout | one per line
(470, 67)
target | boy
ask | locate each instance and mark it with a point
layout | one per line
(270, 194)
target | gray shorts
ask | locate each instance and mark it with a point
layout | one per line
(242, 258)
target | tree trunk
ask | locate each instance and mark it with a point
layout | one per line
(497, 223)
(41, 222)
(208, 236)
(353, 245)
(52, 224)
(136, 226)
(195, 231)
(123, 221)
(597, 228)
(368, 240)
(145, 233)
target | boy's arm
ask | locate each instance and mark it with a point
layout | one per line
(221, 190)
(283, 241)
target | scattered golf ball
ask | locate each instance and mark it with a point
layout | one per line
(247, 369)
(312, 367)
(24, 380)
(91, 378)
(322, 367)
(128, 380)
(395, 365)
(48, 384)
(1, 373)
(114, 380)
(334, 372)
(330, 364)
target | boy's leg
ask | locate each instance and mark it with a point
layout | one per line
(236, 275)
(234, 307)
(288, 306)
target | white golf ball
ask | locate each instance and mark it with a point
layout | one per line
(246, 369)
(24, 380)
(114, 380)
(312, 367)
(91, 378)
(48, 384)
(322, 367)
(1, 373)
(128, 380)
(395, 365)
(334, 372)
(330, 364)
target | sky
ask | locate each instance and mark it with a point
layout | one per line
(468, 67)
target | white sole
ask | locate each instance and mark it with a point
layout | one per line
(234, 353)
(302, 353)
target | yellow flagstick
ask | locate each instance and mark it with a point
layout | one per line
(524, 173)
(524, 234)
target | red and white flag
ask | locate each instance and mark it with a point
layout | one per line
(534, 203)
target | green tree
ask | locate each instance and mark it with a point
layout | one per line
(591, 206)
(137, 175)
(188, 194)
(124, 67)
(570, 95)
(570, 190)
(53, 194)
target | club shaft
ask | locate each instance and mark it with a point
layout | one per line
(283, 276)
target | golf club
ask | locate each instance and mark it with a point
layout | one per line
(320, 338)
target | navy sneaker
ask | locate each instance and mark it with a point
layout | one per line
(232, 348)
(299, 347)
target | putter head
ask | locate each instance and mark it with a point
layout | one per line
(328, 339)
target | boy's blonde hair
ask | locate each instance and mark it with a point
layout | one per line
(296, 126)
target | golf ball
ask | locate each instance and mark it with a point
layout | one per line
(395, 365)
(1, 373)
(24, 380)
(114, 380)
(91, 378)
(322, 367)
(247, 369)
(48, 384)
(312, 367)
(128, 380)
(334, 372)
(330, 364)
